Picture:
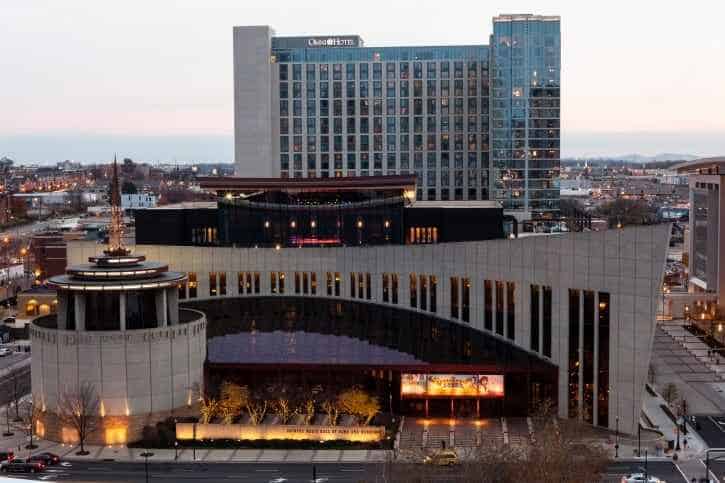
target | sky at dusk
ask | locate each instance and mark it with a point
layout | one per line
(153, 79)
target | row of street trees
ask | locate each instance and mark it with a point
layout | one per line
(235, 400)
(77, 410)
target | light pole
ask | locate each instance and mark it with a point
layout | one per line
(146, 456)
(646, 475)
(707, 461)
(176, 442)
(7, 420)
(639, 440)
(616, 436)
(193, 446)
(677, 429)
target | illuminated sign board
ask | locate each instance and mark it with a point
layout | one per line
(451, 385)
(332, 42)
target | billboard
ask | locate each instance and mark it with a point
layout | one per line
(451, 385)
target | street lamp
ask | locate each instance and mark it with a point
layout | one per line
(616, 441)
(677, 429)
(146, 456)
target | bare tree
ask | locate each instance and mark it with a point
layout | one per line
(670, 393)
(79, 410)
(17, 394)
(29, 415)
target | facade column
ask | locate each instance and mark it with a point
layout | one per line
(79, 298)
(160, 300)
(122, 311)
(62, 310)
(580, 389)
(595, 363)
(172, 301)
(540, 295)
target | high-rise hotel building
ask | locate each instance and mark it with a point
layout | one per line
(473, 122)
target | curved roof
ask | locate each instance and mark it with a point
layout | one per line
(689, 166)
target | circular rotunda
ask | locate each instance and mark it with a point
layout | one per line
(119, 331)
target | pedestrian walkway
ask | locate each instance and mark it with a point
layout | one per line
(673, 363)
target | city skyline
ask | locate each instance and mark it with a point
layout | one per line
(161, 83)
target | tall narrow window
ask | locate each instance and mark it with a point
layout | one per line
(454, 297)
(487, 305)
(337, 284)
(298, 283)
(433, 293)
(360, 285)
(305, 283)
(249, 282)
(546, 336)
(423, 280)
(511, 310)
(281, 282)
(353, 284)
(394, 287)
(212, 284)
(386, 288)
(222, 283)
(256, 282)
(241, 283)
(329, 284)
(603, 362)
(574, 363)
(466, 300)
(182, 291)
(499, 307)
(588, 362)
(534, 318)
(193, 284)
(273, 282)
(413, 290)
(368, 287)
(313, 283)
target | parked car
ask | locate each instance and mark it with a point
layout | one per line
(5, 458)
(4, 351)
(639, 478)
(23, 466)
(9, 320)
(46, 458)
(442, 458)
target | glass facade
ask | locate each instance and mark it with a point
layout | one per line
(525, 112)
(363, 111)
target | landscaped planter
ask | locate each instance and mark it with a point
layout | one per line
(197, 431)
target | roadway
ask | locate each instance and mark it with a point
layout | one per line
(102, 472)
(13, 381)
(664, 470)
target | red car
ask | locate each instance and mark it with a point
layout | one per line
(46, 458)
(23, 466)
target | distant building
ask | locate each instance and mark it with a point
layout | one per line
(137, 201)
(472, 122)
(48, 252)
(706, 252)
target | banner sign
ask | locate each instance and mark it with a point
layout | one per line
(451, 385)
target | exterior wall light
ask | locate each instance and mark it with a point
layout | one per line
(266, 223)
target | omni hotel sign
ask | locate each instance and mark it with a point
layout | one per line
(350, 41)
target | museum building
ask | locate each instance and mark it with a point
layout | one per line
(118, 346)
(464, 323)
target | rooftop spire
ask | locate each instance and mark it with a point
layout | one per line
(115, 230)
